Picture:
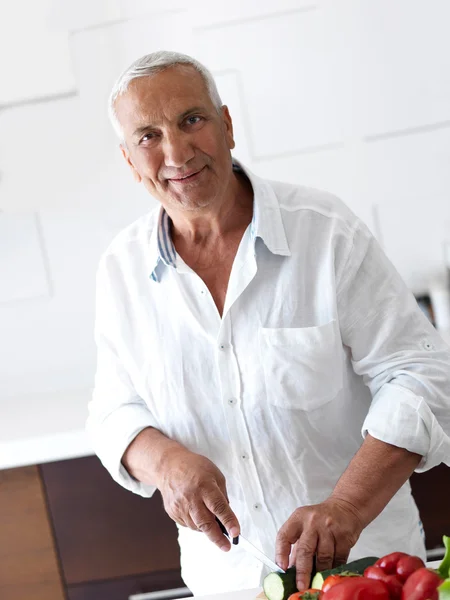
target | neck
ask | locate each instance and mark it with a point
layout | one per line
(232, 214)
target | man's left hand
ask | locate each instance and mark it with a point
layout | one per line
(328, 531)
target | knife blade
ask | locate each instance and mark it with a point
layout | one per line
(251, 549)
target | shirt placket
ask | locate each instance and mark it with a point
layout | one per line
(232, 401)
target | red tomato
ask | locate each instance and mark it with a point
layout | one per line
(310, 594)
(389, 562)
(332, 580)
(392, 581)
(422, 585)
(407, 565)
(358, 588)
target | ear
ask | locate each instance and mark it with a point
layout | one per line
(228, 127)
(127, 157)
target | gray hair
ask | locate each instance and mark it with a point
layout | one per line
(150, 64)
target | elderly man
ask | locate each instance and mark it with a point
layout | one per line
(259, 358)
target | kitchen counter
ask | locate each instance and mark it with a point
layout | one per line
(46, 448)
(40, 427)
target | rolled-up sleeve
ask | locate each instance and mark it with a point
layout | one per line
(401, 357)
(116, 413)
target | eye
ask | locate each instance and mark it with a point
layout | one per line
(147, 137)
(193, 120)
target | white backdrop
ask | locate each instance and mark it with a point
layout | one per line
(352, 96)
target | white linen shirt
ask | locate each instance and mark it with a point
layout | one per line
(319, 343)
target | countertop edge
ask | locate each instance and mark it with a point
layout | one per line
(43, 449)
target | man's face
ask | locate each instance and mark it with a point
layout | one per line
(176, 142)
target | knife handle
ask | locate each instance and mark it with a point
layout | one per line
(235, 540)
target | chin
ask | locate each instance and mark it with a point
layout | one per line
(191, 204)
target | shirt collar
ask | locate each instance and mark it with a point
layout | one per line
(266, 224)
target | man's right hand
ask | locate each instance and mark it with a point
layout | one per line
(194, 494)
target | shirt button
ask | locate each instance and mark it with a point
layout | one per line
(257, 506)
(428, 346)
(224, 346)
(232, 401)
(244, 456)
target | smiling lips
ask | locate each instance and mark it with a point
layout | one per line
(186, 178)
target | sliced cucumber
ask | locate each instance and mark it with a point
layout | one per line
(279, 586)
(356, 567)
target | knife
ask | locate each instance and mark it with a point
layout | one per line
(251, 549)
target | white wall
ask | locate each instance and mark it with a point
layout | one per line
(352, 96)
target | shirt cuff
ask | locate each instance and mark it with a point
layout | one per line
(111, 438)
(399, 417)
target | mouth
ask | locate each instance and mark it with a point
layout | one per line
(187, 177)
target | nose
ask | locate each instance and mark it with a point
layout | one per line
(178, 149)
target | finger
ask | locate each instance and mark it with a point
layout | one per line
(206, 522)
(293, 556)
(286, 537)
(306, 549)
(188, 522)
(175, 517)
(220, 507)
(325, 552)
(181, 517)
(341, 552)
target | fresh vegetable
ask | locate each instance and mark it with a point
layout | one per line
(392, 581)
(444, 567)
(444, 590)
(422, 585)
(400, 564)
(407, 565)
(356, 567)
(310, 594)
(358, 588)
(335, 579)
(279, 586)
(389, 562)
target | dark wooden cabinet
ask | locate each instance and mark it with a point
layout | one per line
(108, 538)
(431, 490)
(28, 560)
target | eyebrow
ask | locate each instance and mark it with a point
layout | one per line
(143, 128)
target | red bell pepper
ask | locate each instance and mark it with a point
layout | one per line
(422, 585)
(400, 564)
(358, 588)
(407, 565)
(389, 562)
(392, 581)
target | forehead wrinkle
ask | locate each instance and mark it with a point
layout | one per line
(147, 105)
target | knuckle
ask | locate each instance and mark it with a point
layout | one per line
(325, 557)
(219, 506)
(205, 526)
(304, 549)
(284, 536)
(329, 522)
(313, 517)
(301, 570)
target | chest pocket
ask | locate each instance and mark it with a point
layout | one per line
(302, 366)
